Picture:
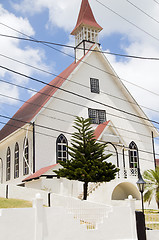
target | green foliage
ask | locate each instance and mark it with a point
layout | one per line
(152, 187)
(87, 163)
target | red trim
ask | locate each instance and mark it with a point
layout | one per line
(98, 131)
(31, 107)
(39, 172)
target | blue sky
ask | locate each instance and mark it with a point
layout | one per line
(53, 21)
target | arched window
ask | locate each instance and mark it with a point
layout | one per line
(26, 157)
(1, 170)
(8, 164)
(133, 155)
(16, 161)
(61, 148)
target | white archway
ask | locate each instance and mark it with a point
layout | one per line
(123, 190)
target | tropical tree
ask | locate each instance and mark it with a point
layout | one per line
(88, 161)
(152, 187)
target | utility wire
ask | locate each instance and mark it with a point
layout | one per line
(156, 1)
(142, 11)
(84, 61)
(48, 135)
(53, 74)
(125, 19)
(65, 100)
(78, 95)
(81, 48)
(48, 116)
(65, 132)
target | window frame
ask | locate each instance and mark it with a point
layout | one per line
(94, 85)
(133, 156)
(97, 119)
(61, 150)
(26, 155)
(8, 164)
(16, 161)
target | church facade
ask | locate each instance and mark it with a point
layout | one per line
(38, 134)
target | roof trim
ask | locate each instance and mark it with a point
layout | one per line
(99, 130)
(40, 172)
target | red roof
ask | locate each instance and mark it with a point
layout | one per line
(98, 131)
(31, 107)
(39, 173)
(86, 17)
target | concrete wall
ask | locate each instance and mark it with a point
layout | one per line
(152, 235)
(41, 223)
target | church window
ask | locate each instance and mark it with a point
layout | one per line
(61, 148)
(94, 83)
(97, 116)
(26, 157)
(16, 161)
(8, 164)
(133, 155)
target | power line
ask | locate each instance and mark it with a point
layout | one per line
(65, 100)
(48, 135)
(78, 95)
(142, 11)
(65, 132)
(125, 19)
(91, 50)
(50, 73)
(111, 74)
(156, 1)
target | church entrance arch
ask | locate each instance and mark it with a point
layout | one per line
(123, 190)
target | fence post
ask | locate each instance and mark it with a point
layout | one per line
(7, 191)
(38, 205)
(131, 204)
(49, 199)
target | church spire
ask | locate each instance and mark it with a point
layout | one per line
(86, 28)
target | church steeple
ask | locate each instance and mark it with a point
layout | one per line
(86, 29)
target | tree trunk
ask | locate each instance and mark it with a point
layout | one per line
(85, 189)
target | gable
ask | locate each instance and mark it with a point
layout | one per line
(108, 133)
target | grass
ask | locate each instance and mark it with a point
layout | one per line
(152, 219)
(14, 203)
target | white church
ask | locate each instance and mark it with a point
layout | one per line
(36, 138)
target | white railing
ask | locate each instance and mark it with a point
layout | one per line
(128, 172)
(152, 221)
(88, 213)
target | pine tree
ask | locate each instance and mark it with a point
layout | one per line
(87, 163)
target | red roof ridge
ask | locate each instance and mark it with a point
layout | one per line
(40, 172)
(100, 128)
(86, 17)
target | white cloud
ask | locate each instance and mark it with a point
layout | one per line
(64, 14)
(13, 49)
